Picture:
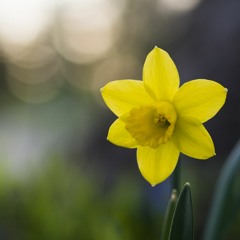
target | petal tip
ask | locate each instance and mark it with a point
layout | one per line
(107, 138)
(213, 153)
(226, 90)
(210, 156)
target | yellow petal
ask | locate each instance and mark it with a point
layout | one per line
(122, 95)
(160, 75)
(192, 139)
(200, 99)
(118, 135)
(157, 164)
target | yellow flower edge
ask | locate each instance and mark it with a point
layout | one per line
(160, 119)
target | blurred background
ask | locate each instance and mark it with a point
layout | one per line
(59, 177)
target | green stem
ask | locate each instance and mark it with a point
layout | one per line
(176, 180)
(169, 215)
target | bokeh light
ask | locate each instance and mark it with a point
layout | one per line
(178, 5)
(86, 30)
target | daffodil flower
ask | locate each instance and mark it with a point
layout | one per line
(160, 119)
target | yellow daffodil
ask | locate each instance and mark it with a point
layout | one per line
(160, 119)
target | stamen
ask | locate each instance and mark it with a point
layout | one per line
(160, 119)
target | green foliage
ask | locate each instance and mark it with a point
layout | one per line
(60, 202)
(169, 215)
(182, 221)
(226, 202)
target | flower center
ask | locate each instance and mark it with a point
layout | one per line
(151, 125)
(160, 119)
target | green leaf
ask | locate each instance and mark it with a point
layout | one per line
(226, 200)
(168, 216)
(182, 222)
